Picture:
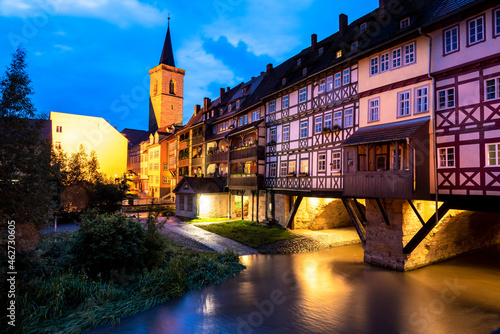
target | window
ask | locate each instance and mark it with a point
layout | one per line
(246, 119)
(157, 179)
(404, 23)
(396, 58)
(241, 121)
(304, 71)
(320, 51)
(284, 168)
(384, 62)
(338, 80)
(404, 104)
(165, 180)
(322, 162)
(157, 167)
(476, 30)
(256, 115)
(446, 98)
(237, 104)
(346, 77)
(284, 103)
(190, 203)
(337, 118)
(286, 132)
(318, 124)
(447, 157)
(354, 46)
(373, 110)
(493, 88)
(272, 106)
(409, 53)
(299, 61)
(339, 53)
(229, 107)
(248, 167)
(328, 121)
(59, 128)
(496, 23)
(362, 27)
(451, 40)
(347, 118)
(272, 169)
(422, 99)
(302, 94)
(335, 166)
(304, 166)
(57, 145)
(374, 66)
(321, 88)
(181, 202)
(272, 135)
(329, 83)
(291, 167)
(493, 151)
(165, 166)
(283, 81)
(303, 129)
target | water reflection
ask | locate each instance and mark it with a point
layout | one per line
(333, 291)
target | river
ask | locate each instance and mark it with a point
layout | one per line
(334, 291)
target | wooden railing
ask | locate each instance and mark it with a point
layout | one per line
(197, 161)
(248, 152)
(217, 157)
(246, 181)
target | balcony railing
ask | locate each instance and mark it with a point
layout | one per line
(246, 181)
(197, 161)
(217, 157)
(197, 140)
(248, 152)
(183, 144)
(183, 163)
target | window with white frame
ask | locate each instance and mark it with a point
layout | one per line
(190, 203)
(338, 80)
(157, 179)
(476, 30)
(396, 58)
(374, 66)
(272, 169)
(165, 166)
(404, 104)
(284, 102)
(304, 166)
(246, 119)
(492, 88)
(493, 152)
(256, 115)
(446, 98)
(272, 135)
(337, 118)
(336, 158)
(496, 22)
(404, 23)
(347, 118)
(451, 40)
(421, 99)
(165, 179)
(409, 53)
(322, 86)
(321, 162)
(286, 132)
(346, 77)
(284, 168)
(446, 157)
(303, 129)
(318, 124)
(291, 167)
(384, 62)
(272, 106)
(59, 128)
(328, 121)
(303, 94)
(374, 110)
(329, 83)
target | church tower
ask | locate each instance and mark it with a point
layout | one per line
(166, 89)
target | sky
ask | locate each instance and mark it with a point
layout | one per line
(92, 57)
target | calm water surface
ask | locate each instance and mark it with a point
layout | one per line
(333, 291)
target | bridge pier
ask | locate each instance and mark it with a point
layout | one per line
(391, 224)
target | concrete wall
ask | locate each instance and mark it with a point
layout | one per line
(458, 232)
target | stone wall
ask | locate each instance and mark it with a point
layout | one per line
(281, 208)
(321, 213)
(216, 206)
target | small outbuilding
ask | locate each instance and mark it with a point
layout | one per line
(200, 197)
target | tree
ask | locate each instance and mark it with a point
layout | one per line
(26, 185)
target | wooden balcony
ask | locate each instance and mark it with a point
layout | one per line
(183, 145)
(217, 157)
(197, 161)
(381, 184)
(183, 163)
(197, 140)
(246, 181)
(248, 152)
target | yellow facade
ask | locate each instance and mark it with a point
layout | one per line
(69, 131)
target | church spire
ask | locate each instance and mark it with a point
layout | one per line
(167, 55)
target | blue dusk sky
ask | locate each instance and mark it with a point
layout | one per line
(92, 57)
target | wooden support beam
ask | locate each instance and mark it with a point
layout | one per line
(416, 212)
(363, 217)
(426, 229)
(382, 211)
(293, 211)
(357, 223)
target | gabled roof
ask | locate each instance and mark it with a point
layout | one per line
(167, 55)
(198, 185)
(135, 136)
(245, 128)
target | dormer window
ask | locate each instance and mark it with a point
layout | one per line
(404, 23)
(304, 71)
(299, 61)
(339, 53)
(237, 104)
(283, 81)
(354, 46)
(320, 51)
(229, 107)
(362, 27)
(220, 111)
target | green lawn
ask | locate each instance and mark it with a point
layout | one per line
(202, 220)
(250, 233)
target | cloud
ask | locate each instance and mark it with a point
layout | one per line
(63, 47)
(122, 13)
(266, 27)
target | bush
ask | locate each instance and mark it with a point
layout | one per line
(104, 243)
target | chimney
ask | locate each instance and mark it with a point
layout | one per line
(222, 91)
(382, 7)
(314, 40)
(197, 109)
(269, 68)
(206, 103)
(228, 89)
(343, 24)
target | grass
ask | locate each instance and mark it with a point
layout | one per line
(250, 233)
(202, 220)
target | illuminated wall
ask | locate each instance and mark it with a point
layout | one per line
(69, 131)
